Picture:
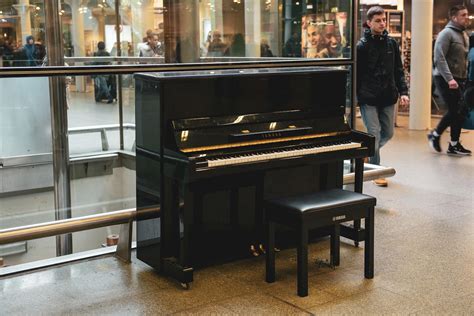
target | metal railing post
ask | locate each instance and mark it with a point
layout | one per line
(59, 126)
(118, 25)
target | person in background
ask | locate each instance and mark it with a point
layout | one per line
(380, 81)
(237, 47)
(101, 81)
(30, 52)
(216, 47)
(152, 48)
(292, 46)
(265, 50)
(450, 60)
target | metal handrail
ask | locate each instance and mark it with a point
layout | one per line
(72, 225)
(51, 71)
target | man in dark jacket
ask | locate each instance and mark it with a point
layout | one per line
(101, 82)
(450, 60)
(380, 81)
(30, 51)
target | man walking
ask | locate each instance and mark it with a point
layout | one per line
(380, 81)
(450, 59)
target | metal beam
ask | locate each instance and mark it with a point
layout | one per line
(59, 130)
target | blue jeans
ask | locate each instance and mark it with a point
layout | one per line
(104, 92)
(379, 123)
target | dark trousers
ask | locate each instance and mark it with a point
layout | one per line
(453, 117)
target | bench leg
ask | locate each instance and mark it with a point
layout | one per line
(270, 253)
(302, 254)
(369, 245)
(335, 245)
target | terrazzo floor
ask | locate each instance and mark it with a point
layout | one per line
(424, 254)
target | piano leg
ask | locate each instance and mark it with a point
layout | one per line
(358, 184)
(174, 248)
(188, 224)
(170, 234)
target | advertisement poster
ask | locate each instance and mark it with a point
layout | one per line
(322, 35)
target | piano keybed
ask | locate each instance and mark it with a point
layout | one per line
(281, 153)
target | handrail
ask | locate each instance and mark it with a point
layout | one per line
(51, 71)
(371, 172)
(71, 225)
(98, 128)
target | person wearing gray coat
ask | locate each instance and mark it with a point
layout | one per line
(450, 61)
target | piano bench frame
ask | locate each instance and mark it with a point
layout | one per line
(278, 211)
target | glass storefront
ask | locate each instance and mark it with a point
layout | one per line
(159, 31)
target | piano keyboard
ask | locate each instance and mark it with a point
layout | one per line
(280, 153)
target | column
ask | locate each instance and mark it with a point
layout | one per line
(252, 28)
(421, 50)
(217, 16)
(77, 30)
(24, 8)
(275, 23)
(181, 21)
(288, 20)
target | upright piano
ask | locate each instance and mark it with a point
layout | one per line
(211, 145)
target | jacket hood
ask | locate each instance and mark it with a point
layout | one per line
(368, 35)
(455, 26)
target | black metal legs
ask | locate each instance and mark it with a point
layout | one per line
(335, 245)
(302, 261)
(302, 251)
(369, 245)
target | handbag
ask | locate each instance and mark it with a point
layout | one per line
(468, 106)
(469, 121)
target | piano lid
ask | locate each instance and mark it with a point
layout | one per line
(237, 72)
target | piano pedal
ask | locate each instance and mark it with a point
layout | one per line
(324, 263)
(254, 251)
(262, 249)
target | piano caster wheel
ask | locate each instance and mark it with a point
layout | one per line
(356, 244)
(254, 251)
(186, 286)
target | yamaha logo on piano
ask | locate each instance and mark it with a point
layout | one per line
(338, 218)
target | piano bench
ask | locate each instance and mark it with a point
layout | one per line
(320, 209)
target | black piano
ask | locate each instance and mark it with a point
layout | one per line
(211, 145)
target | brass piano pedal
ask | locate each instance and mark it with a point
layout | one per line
(254, 251)
(262, 248)
(324, 263)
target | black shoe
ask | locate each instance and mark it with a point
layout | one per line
(458, 149)
(434, 142)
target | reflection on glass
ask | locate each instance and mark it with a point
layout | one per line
(153, 31)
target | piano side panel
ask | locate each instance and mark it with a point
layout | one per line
(148, 177)
(148, 114)
(148, 170)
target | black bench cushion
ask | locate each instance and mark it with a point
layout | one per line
(320, 201)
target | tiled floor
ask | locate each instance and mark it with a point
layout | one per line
(424, 260)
